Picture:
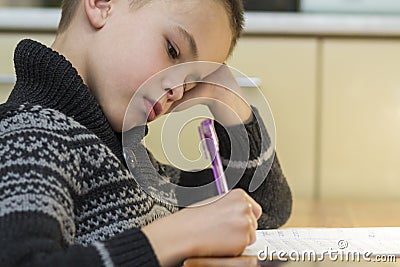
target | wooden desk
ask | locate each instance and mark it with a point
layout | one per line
(344, 213)
(326, 213)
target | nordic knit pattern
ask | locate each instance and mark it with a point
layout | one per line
(66, 196)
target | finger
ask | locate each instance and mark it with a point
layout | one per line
(253, 237)
(256, 208)
(257, 211)
(252, 233)
(252, 218)
(255, 223)
(244, 196)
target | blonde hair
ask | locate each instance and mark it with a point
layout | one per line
(68, 10)
(234, 9)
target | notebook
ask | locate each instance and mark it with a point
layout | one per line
(363, 243)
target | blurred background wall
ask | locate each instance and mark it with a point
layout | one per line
(30, 3)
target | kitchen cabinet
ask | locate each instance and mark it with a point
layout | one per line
(360, 118)
(287, 68)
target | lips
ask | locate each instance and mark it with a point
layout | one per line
(153, 109)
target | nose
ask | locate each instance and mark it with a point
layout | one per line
(175, 94)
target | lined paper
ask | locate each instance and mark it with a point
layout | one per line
(373, 241)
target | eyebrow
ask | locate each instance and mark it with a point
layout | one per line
(192, 43)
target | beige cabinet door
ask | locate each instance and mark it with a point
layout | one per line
(360, 134)
(287, 69)
(8, 42)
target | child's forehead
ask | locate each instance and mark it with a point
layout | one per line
(207, 13)
(204, 21)
(191, 11)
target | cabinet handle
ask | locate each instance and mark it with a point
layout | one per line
(7, 79)
(250, 82)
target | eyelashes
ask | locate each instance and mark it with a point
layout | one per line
(173, 52)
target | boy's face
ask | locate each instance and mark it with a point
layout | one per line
(135, 44)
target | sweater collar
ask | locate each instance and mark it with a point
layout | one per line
(48, 79)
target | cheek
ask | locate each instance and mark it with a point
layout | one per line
(120, 63)
(130, 70)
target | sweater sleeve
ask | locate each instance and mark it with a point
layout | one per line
(35, 239)
(38, 185)
(258, 167)
(253, 160)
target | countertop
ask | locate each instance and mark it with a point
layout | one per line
(259, 23)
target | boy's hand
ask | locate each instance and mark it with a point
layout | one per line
(221, 93)
(222, 228)
(225, 227)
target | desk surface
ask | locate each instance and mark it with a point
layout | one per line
(326, 213)
(344, 213)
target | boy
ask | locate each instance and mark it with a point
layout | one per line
(66, 197)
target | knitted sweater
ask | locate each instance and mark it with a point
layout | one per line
(66, 195)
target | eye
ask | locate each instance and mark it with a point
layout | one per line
(172, 51)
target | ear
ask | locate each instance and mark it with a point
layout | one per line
(97, 12)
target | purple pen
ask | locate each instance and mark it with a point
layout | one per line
(208, 135)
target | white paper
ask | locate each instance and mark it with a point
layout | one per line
(366, 241)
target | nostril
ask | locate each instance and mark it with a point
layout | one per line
(168, 90)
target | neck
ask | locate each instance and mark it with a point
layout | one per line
(74, 52)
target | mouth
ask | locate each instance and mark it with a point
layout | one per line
(153, 109)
